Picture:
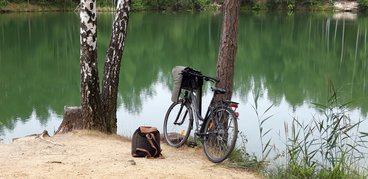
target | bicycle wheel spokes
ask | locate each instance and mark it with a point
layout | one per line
(177, 124)
(221, 134)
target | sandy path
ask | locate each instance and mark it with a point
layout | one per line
(86, 154)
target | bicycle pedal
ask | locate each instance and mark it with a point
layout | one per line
(192, 144)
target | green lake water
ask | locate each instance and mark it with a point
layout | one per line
(288, 59)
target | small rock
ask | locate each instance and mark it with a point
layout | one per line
(54, 162)
(132, 162)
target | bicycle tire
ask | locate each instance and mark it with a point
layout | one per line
(218, 143)
(177, 134)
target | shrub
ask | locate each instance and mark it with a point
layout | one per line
(3, 3)
(363, 5)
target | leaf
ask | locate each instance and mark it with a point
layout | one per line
(269, 130)
(268, 109)
(264, 120)
(266, 146)
(321, 106)
(363, 134)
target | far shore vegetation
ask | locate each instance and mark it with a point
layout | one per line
(173, 5)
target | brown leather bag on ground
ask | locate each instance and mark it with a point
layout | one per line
(146, 142)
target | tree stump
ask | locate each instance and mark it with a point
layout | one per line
(72, 120)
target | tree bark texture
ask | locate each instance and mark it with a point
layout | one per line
(227, 49)
(72, 120)
(112, 65)
(90, 90)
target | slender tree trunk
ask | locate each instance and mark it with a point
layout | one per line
(90, 90)
(227, 49)
(114, 54)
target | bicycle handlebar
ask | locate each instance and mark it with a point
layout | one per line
(207, 78)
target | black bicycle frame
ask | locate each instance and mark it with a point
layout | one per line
(205, 119)
(177, 117)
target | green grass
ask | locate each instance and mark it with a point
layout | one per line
(240, 158)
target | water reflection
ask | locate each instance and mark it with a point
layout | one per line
(38, 68)
(295, 58)
(289, 59)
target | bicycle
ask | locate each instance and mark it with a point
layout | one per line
(217, 130)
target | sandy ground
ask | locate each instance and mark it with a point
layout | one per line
(86, 154)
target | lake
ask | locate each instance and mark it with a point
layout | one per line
(289, 61)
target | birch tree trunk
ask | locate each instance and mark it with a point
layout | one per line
(98, 110)
(227, 49)
(90, 91)
(114, 54)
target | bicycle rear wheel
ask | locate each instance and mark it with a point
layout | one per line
(178, 124)
(221, 132)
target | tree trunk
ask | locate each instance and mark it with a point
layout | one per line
(114, 54)
(227, 49)
(90, 87)
(72, 120)
(98, 110)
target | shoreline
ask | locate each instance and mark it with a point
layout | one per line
(25, 7)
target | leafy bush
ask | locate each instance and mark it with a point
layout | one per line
(3, 2)
(363, 5)
(202, 3)
(137, 5)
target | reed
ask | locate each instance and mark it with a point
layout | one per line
(327, 147)
(240, 158)
(262, 118)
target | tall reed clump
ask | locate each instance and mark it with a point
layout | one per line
(328, 147)
(240, 158)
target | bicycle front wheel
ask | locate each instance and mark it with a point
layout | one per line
(221, 132)
(178, 124)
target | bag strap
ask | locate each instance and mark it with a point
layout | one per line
(145, 151)
(158, 147)
(151, 139)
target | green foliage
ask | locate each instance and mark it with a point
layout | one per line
(3, 2)
(291, 5)
(265, 145)
(137, 5)
(363, 5)
(240, 158)
(203, 3)
(177, 5)
(105, 3)
(330, 147)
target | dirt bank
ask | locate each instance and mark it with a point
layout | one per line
(86, 154)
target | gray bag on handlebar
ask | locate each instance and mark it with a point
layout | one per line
(185, 78)
(177, 77)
